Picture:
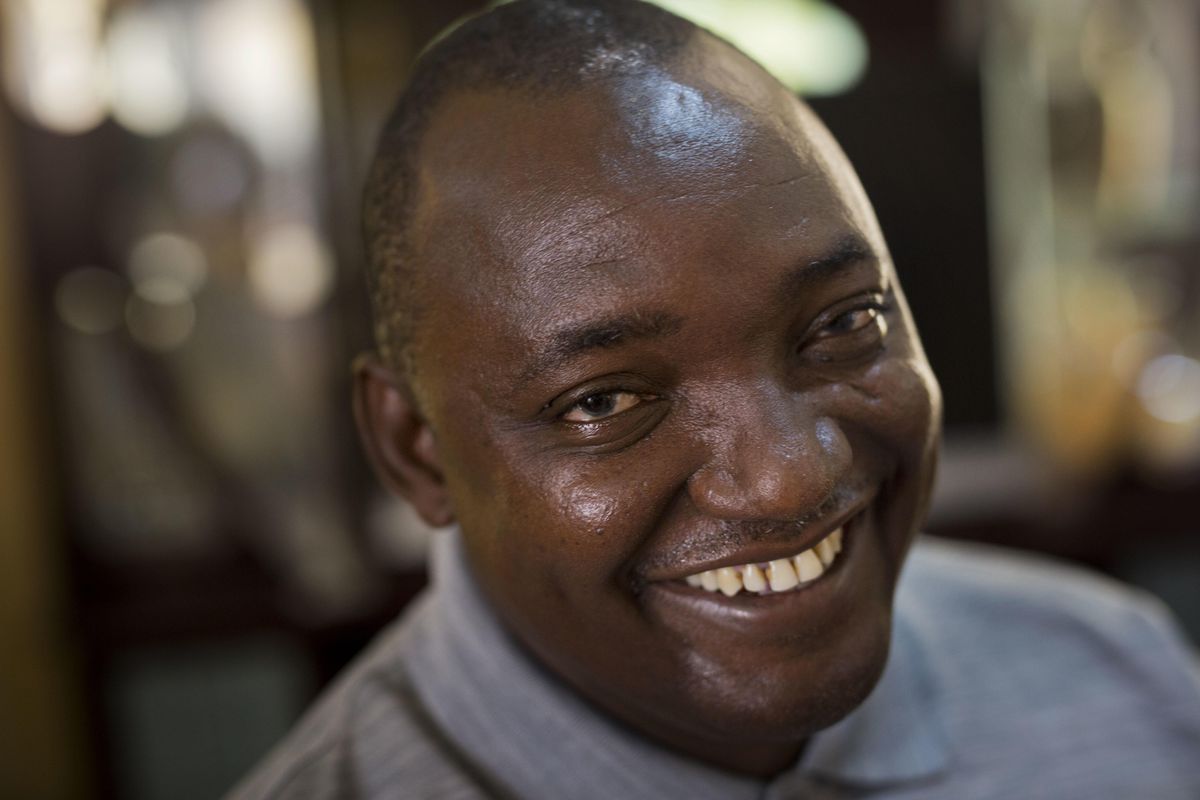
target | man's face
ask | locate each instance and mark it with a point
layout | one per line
(662, 335)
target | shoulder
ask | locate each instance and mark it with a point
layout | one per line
(972, 585)
(363, 737)
(1068, 674)
(1013, 607)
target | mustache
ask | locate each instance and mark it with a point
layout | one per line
(767, 530)
(723, 535)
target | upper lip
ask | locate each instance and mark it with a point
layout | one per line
(760, 552)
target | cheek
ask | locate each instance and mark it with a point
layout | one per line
(900, 404)
(555, 514)
(586, 509)
(902, 415)
(604, 509)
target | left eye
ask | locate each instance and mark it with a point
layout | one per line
(853, 320)
(601, 405)
(850, 335)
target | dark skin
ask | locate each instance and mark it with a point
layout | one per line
(661, 333)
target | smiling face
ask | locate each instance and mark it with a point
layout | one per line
(661, 334)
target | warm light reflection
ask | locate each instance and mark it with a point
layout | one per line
(1169, 388)
(290, 271)
(811, 46)
(253, 61)
(1132, 85)
(1133, 352)
(54, 67)
(1090, 111)
(256, 62)
(149, 92)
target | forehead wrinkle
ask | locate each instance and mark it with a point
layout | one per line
(722, 193)
(553, 195)
(595, 245)
(537, 237)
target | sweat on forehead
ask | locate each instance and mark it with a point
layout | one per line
(539, 47)
(543, 186)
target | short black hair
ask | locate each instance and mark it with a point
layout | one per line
(538, 46)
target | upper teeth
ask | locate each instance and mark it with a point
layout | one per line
(777, 576)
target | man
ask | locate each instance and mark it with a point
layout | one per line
(642, 343)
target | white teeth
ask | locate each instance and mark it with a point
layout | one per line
(753, 578)
(780, 575)
(729, 581)
(808, 566)
(825, 552)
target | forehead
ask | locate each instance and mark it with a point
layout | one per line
(522, 196)
(700, 110)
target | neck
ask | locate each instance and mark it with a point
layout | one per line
(758, 759)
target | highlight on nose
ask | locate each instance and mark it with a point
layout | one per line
(773, 472)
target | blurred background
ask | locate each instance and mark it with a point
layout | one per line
(190, 542)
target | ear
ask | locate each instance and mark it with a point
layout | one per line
(398, 440)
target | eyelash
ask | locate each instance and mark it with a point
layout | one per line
(880, 307)
(616, 430)
(611, 393)
(852, 341)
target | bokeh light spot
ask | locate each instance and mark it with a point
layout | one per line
(1169, 388)
(149, 94)
(290, 270)
(89, 300)
(811, 46)
(167, 267)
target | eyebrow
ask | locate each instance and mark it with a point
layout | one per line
(849, 249)
(573, 340)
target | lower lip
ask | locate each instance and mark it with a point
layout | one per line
(806, 606)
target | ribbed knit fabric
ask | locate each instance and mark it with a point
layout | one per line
(1009, 678)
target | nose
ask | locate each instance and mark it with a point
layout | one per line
(771, 458)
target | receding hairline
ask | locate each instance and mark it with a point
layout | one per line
(540, 46)
(604, 59)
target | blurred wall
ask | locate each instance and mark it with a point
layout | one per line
(187, 528)
(42, 744)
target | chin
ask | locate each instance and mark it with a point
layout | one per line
(792, 705)
(759, 724)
